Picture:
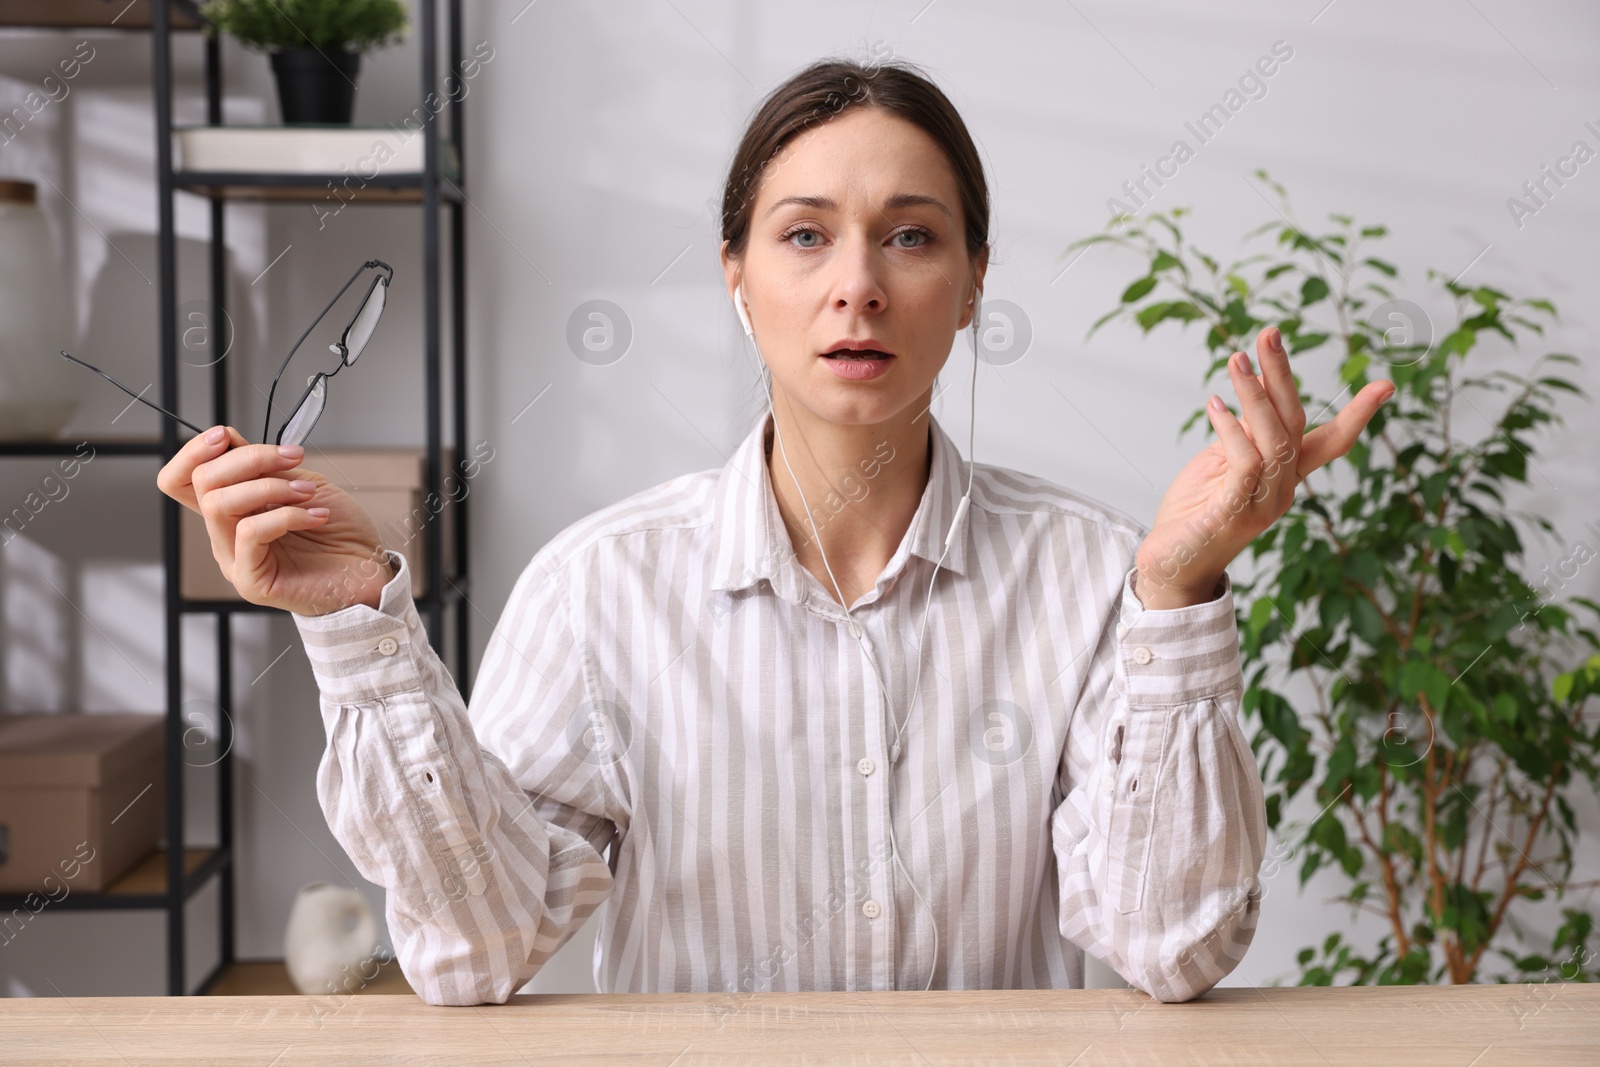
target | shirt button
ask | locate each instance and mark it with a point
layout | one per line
(855, 629)
(1111, 783)
(1141, 655)
(864, 765)
(412, 620)
(388, 646)
(870, 909)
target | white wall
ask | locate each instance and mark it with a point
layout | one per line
(597, 136)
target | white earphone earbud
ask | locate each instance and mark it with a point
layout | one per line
(738, 305)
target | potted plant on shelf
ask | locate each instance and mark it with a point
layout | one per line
(1448, 748)
(315, 46)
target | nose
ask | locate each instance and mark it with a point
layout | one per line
(857, 282)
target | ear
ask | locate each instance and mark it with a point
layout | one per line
(732, 269)
(974, 295)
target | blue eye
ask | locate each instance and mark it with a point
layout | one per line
(916, 231)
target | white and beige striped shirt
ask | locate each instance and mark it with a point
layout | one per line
(676, 717)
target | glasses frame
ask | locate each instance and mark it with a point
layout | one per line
(341, 347)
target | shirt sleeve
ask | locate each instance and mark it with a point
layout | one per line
(491, 860)
(1161, 829)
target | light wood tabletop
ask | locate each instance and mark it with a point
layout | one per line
(1452, 1026)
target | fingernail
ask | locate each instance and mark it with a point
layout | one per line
(1215, 402)
(215, 436)
(300, 485)
(291, 451)
(1277, 339)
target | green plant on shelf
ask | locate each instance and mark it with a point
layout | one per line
(325, 25)
(1448, 740)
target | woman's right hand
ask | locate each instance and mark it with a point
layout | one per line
(309, 549)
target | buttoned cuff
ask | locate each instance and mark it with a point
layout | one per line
(360, 653)
(1170, 656)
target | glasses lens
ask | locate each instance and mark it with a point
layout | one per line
(305, 416)
(366, 321)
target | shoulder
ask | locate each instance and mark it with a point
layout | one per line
(1004, 493)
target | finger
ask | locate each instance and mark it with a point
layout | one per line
(257, 532)
(176, 477)
(1267, 433)
(231, 503)
(1244, 462)
(1333, 439)
(242, 463)
(1278, 380)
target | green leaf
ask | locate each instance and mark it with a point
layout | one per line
(1458, 342)
(1365, 567)
(1365, 620)
(1163, 261)
(1138, 289)
(1154, 313)
(1378, 264)
(1562, 384)
(1261, 613)
(1341, 761)
(1313, 290)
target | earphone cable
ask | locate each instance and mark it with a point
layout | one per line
(950, 536)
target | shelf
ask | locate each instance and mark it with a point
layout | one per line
(90, 14)
(270, 978)
(327, 187)
(109, 446)
(144, 886)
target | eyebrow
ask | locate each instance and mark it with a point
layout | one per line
(898, 200)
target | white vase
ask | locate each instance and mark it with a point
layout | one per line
(39, 391)
(331, 942)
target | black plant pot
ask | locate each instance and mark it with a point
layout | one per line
(316, 86)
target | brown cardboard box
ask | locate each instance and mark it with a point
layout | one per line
(82, 798)
(387, 482)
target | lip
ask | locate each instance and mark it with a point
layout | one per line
(856, 344)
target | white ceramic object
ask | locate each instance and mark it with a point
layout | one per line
(331, 942)
(39, 391)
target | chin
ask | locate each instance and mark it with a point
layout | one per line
(859, 410)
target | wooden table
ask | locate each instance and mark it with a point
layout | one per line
(1541, 1025)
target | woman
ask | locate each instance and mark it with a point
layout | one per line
(845, 714)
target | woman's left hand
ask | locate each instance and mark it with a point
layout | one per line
(1244, 481)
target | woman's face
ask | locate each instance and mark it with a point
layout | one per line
(856, 235)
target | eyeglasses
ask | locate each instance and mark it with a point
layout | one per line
(297, 427)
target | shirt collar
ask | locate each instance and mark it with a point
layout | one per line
(752, 543)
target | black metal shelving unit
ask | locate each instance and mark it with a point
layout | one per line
(167, 879)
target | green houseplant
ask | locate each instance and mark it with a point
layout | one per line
(315, 46)
(1446, 737)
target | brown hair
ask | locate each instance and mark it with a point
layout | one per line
(828, 88)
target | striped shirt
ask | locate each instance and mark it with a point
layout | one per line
(675, 717)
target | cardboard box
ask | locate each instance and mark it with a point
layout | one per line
(82, 798)
(387, 482)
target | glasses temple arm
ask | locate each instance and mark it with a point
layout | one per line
(133, 394)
